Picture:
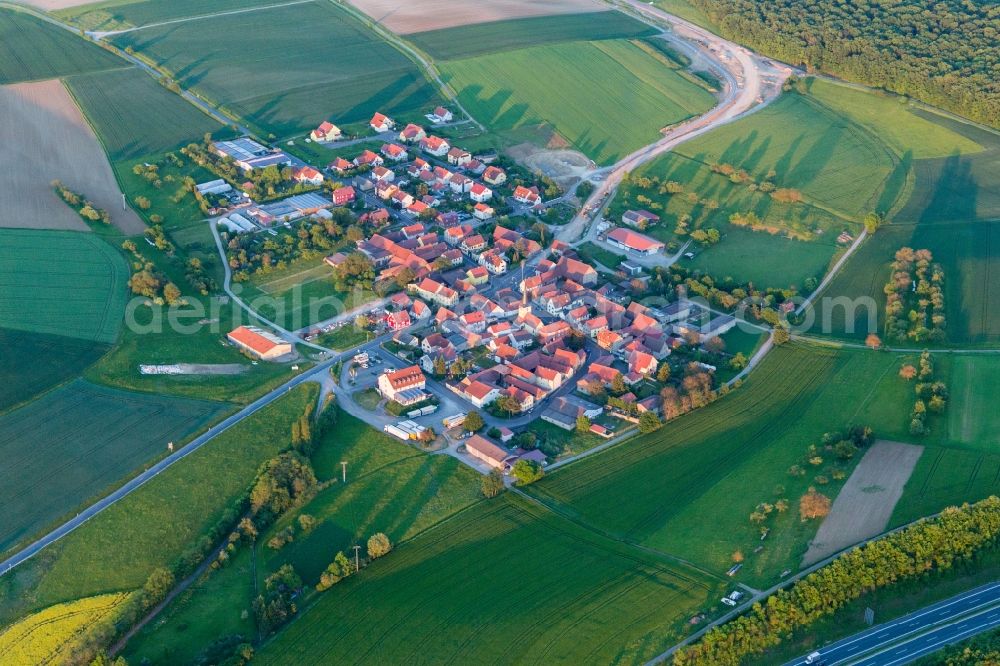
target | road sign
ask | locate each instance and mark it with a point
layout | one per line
(869, 616)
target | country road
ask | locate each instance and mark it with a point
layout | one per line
(921, 632)
(745, 85)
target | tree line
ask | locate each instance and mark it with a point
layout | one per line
(943, 53)
(919, 551)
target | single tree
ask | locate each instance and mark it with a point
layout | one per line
(473, 422)
(492, 484)
(378, 545)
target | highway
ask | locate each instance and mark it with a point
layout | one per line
(919, 633)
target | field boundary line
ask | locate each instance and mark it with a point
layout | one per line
(97, 34)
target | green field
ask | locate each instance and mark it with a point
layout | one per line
(134, 116)
(448, 595)
(391, 488)
(61, 283)
(974, 378)
(34, 362)
(674, 490)
(309, 63)
(605, 98)
(482, 38)
(765, 260)
(31, 50)
(76, 442)
(156, 524)
(121, 14)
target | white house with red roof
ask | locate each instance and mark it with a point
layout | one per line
(368, 158)
(459, 157)
(494, 262)
(383, 174)
(527, 195)
(403, 385)
(482, 211)
(412, 133)
(394, 152)
(307, 175)
(435, 145)
(381, 123)
(481, 193)
(440, 115)
(340, 165)
(326, 131)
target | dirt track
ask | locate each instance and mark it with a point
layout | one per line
(56, 5)
(420, 15)
(45, 138)
(865, 503)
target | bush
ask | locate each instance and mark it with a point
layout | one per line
(492, 484)
(527, 472)
(378, 545)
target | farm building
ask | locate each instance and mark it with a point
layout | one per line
(640, 219)
(564, 411)
(633, 241)
(259, 343)
(483, 449)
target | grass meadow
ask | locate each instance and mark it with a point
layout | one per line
(605, 98)
(155, 525)
(61, 283)
(73, 443)
(311, 62)
(31, 50)
(34, 362)
(503, 568)
(391, 487)
(135, 117)
(483, 38)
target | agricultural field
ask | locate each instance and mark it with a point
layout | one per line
(66, 447)
(289, 85)
(974, 422)
(391, 488)
(606, 99)
(32, 50)
(35, 362)
(424, 15)
(743, 446)
(108, 15)
(46, 139)
(61, 283)
(135, 117)
(484, 38)
(42, 637)
(160, 522)
(580, 581)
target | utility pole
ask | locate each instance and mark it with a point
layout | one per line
(357, 559)
(343, 465)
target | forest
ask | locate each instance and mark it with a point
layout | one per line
(943, 53)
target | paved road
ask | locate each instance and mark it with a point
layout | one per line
(155, 470)
(907, 638)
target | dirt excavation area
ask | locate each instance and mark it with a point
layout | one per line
(564, 166)
(45, 138)
(864, 505)
(422, 15)
(194, 369)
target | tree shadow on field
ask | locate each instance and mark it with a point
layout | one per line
(753, 160)
(894, 183)
(816, 158)
(737, 151)
(954, 192)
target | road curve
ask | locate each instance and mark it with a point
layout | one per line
(744, 74)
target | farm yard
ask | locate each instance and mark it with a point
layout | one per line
(83, 295)
(75, 442)
(156, 525)
(606, 98)
(396, 611)
(135, 117)
(494, 37)
(46, 138)
(31, 50)
(289, 85)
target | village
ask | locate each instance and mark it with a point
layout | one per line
(484, 313)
